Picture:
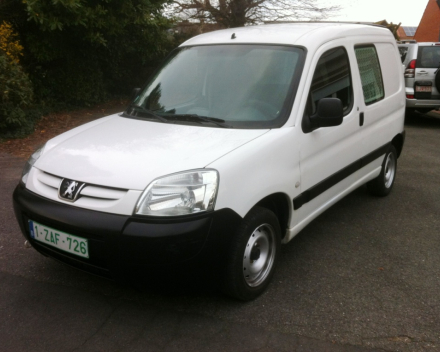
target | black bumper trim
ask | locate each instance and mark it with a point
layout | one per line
(120, 245)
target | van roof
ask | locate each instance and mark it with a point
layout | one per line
(289, 33)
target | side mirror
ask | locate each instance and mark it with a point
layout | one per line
(329, 112)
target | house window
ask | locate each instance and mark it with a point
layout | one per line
(371, 75)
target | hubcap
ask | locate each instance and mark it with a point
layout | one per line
(390, 170)
(259, 255)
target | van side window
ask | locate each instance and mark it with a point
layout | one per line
(331, 79)
(371, 75)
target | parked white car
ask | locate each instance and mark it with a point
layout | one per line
(241, 138)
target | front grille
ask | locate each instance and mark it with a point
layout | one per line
(92, 196)
(52, 183)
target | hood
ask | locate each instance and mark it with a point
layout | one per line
(128, 153)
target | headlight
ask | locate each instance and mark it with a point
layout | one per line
(179, 194)
(31, 161)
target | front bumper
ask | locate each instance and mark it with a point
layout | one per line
(124, 247)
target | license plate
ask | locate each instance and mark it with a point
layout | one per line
(58, 239)
(423, 89)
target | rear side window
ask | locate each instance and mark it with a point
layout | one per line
(403, 50)
(371, 75)
(428, 57)
(331, 79)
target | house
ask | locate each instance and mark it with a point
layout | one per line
(429, 27)
(406, 32)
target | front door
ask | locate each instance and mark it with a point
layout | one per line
(328, 155)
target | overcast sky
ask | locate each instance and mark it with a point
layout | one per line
(407, 12)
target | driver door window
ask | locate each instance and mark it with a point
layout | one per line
(331, 79)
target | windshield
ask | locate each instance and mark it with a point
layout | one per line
(243, 86)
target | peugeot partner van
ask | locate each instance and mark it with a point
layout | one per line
(240, 139)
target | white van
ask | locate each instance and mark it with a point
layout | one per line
(241, 138)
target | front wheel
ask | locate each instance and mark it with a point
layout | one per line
(381, 186)
(253, 255)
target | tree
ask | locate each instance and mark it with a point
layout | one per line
(237, 13)
(78, 52)
(97, 20)
(16, 94)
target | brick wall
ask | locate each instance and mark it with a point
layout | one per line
(429, 27)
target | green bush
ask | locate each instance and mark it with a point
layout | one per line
(76, 53)
(81, 52)
(69, 83)
(17, 114)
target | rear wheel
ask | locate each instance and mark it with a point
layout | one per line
(253, 255)
(381, 186)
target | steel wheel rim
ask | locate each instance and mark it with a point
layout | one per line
(390, 170)
(255, 271)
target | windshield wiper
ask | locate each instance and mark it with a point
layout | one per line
(198, 118)
(148, 112)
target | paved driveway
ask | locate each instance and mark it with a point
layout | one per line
(364, 276)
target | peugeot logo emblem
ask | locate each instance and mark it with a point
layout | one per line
(69, 189)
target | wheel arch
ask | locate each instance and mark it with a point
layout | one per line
(397, 142)
(281, 205)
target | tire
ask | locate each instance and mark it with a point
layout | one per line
(253, 255)
(381, 186)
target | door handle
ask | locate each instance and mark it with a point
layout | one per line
(361, 119)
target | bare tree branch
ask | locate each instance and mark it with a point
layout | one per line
(238, 13)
